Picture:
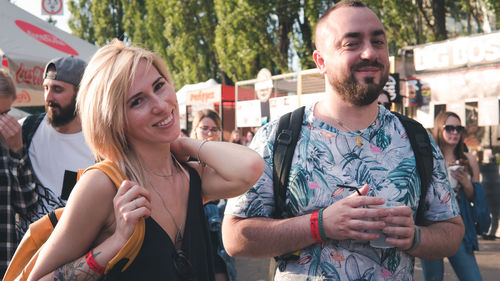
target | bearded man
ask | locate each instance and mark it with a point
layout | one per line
(54, 140)
(346, 139)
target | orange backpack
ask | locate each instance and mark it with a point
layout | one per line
(27, 252)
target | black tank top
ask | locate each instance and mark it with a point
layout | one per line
(155, 260)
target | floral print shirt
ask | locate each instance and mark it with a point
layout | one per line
(325, 157)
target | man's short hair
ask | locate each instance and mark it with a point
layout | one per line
(341, 4)
(66, 69)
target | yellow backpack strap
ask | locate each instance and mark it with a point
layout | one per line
(130, 250)
(27, 252)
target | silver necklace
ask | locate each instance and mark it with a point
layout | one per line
(158, 174)
(178, 235)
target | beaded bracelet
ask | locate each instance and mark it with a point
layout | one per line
(92, 263)
(320, 225)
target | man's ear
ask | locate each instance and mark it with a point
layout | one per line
(320, 61)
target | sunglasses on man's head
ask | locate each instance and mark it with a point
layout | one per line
(183, 266)
(450, 128)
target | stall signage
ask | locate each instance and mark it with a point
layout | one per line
(264, 85)
(392, 87)
(459, 52)
(204, 98)
(281, 105)
(248, 113)
(27, 97)
(30, 76)
(45, 37)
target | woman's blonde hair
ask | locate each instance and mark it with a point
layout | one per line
(7, 88)
(101, 102)
(204, 113)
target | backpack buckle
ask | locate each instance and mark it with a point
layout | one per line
(285, 137)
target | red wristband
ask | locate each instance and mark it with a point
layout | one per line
(89, 258)
(315, 227)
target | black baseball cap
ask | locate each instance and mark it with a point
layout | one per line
(67, 69)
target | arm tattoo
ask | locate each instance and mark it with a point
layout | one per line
(76, 271)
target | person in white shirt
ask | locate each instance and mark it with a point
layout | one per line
(54, 140)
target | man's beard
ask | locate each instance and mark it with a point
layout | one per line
(66, 114)
(355, 93)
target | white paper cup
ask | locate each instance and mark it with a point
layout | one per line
(380, 242)
(453, 181)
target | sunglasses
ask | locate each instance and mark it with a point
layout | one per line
(387, 105)
(449, 128)
(183, 266)
(351, 188)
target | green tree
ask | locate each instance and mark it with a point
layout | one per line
(80, 21)
(231, 40)
(303, 35)
(97, 21)
(243, 42)
(189, 27)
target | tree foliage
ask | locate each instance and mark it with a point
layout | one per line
(231, 40)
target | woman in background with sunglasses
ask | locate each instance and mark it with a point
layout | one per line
(463, 170)
(130, 116)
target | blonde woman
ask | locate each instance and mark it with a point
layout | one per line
(130, 116)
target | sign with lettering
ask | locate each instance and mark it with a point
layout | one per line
(203, 98)
(281, 105)
(29, 97)
(248, 113)
(459, 52)
(46, 38)
(29, 75)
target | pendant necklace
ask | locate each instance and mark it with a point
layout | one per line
(359, 140)
(178, 235)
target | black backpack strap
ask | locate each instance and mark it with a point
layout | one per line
(53, 218)
(287, 135)
(421, 145)
(30, 125)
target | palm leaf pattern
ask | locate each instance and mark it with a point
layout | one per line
(325, 157)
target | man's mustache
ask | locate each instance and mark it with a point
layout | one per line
(367, 64)
(54, 104)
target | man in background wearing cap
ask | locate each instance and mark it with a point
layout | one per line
(54, 140)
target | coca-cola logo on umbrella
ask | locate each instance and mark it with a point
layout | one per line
(45, 37)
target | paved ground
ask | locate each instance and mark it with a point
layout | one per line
(488, 259)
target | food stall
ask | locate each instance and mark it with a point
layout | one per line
(27, 43)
